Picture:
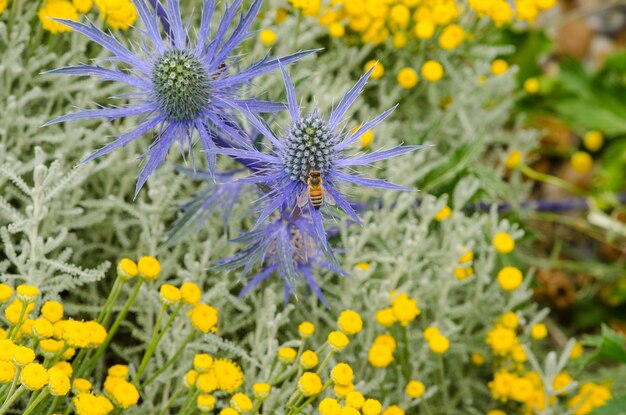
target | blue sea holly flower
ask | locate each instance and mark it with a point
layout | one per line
(287, 245)
(314, 152)
(179, 88)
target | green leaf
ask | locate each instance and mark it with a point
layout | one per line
(616, 406)
(609, 346)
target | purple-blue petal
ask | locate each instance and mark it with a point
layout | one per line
(377, 156)
(347, 100)
(374, 183)
(108, 113)
(294, 108)
(364, 128)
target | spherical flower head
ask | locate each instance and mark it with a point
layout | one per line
(366, 139)
(190, 293)
(329, 406)
(205, 382)
(306, 329)
(241, 402)
(60, 9)
(52, 311)
(350, 322)
(439, 344)
(577, 351)
(348, 410)
(310, 384)
(267, 37)
(68, 354)
(76, 334)
(371, 407)
(510, 278)
(502, 340)
(582, 162)
(510, 320)
(203, 317)
(394, 410)
(191, 377)
(503, 243)
(7, 372)
(309, 359)
(477, 358)
(405, 309)
(13, 312)
(6, 292)
(58, 383)
(89, 404)
(501, 385)
(261, 390)
(81, 385)
(169, 294)
(229, 375)
(229, 411)
(124, 394)
(443, 214)
(432, 71)
(467, 256)
(27, 293)
(127, 269)
(407, 78)
(385, 317)
(337, 341)
(118, 371)
(561, 381)
(149, 268)
(355, 399)
(380, 355)
(23, 355)
(532, 85)
(499, 66)
(83, 6)
(308, 147)
(287, 355)
(341, 391)
(415, 389)
(336, 30)
(42, 328)
(50, 347)
(118, 14)
(522, 390)
(34, 376)
(451, 37)
(430, 332)
(539, 331)
(97, 333)
(342, 374)
(202, 362)
(379, 69)
(64, 367)
(205, 402)
(593, 140)
(385, 340)
(425, 29)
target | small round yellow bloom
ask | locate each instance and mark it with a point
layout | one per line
(42, 328)
(60, 9)
(503, 243)
(463, 273)
(83, 6)
(329, 406)
(190, 293)
(415, 389)
(394, 410)
(378, 71)
(348, 410)
(205, 402)
(385, 340)
(405, 308)
(499, 66)
(50, 347)
(430, 332)
(451, 37)
(355, 399)
(229, 411)
(241, 402)
(203, 317)
(169, 294)
(127, 269)
(149, 268)
(510, 278)
(561, 381)
(425, 29)
(532, 86)
(432, 71)
(13, 312)
(380, 356)
(519, 354)
(58, 383)
(350, 322)
(477, 358)
(336, 30)
(229, 375)
(593, 140)
(191, 377)
(385, 317)
(439, 344)
(502, 340)
(407, 78)
(64, 367)
(343, 390)
(287, 355)
(366, 139)
(468, 256)
(337, 341)
(371, 407)
(513, 160)
(309, 359)
(27, 293)
(118, 14)
(118, 371)
(23, 355)
(342, 374)
(363, 266)
(89, 404)
(443, 214)
(267, 37)
(52, 311)
(261, 390)
(577, 351)
(81, 385)
(202, 362)
(310, 384)
(34, 376)
(6, 292)
(205, 382)
(7, 372)
(581, 162)
(306, 329)
(522, 390)
(509, 320)
(539, 331)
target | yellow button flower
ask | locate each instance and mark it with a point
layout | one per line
(267, 37)
(502, 340)
(499, 66)
(205, 403)
(58, 383)
(241, 402)
(52, 311)
(451, 37)
(89, 404)
(6, 293)
(81, 385)
(378, 71)
(118, 371)
(229, 411)
(23, 355)
(343, 390)
(385, 317)
(407, 78)
(261, 390)
(64, 367)
(593, 140)
(127, 269)
(205, 382)
(439, 344)
(443, 214)
(577, 351)
(496, 412)
(60, 9)
(7, 372)
(415, 389)
(83, 6)
(202, 362)
(169, 294)
(203, 317)
(385, 340)
(532, 86)
(405, 309)
(371, 407)
(522, 390)
(310, 384)
(50, 347)
(229, 375)
(509, 320)
(539, 331)
(561, 381)
(350, 322)
(380, 356)
(510, 278)
(503, 242)
(192, 376)
(477, 358)
(309, 359)
(287, 355)
(355, 399)
(42, 328)
(394, 410)
(425, 29)
(118, 14)
(34, 376)
(336, 30)
(581, 162)
(306, 329)
(329, 406)
(337, 341)
(190, 293)
(432, 71)
(27, 293)
(149, 268)
(342, 374)
(513, 160)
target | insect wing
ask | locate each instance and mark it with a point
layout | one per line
(303, 199)
(328, 198)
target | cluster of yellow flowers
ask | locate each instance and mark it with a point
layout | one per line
(118, 14)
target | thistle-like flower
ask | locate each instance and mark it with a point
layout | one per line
(287, 245)
(180, 88)
(314, 145)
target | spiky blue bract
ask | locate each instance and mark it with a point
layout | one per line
(289, 246)
(180, 88)
(313, 142)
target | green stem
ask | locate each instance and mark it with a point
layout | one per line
(553, 180)
(169, 322)
(172, 399)
(11, 398)
(16, 329)
(324, 362)
(152, 345)
(406, 368)
(53, 405)
(169, 362)
(111, 299)
(31, 407)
